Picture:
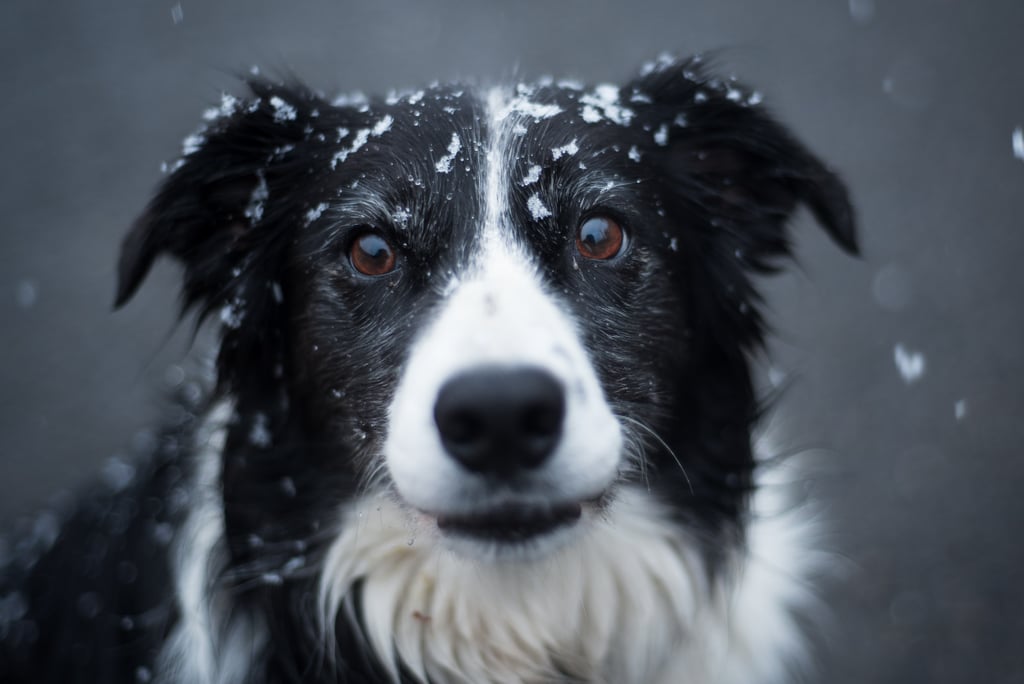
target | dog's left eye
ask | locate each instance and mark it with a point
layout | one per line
(600, 237)
(371, 255)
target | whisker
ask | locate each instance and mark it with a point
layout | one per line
(662, 442)
(637, 453)
(374, 477)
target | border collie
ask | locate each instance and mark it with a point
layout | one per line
(483, 408)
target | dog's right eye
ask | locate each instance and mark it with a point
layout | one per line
(371, 255)
(600, 238)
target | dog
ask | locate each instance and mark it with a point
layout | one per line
(483, 407)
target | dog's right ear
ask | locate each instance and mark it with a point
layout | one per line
(215, 212)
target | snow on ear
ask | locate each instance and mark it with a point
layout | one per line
(206, 213)
(746, 168)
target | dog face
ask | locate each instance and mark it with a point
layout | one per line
(498, 307)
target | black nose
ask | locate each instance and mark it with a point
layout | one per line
(500, 420)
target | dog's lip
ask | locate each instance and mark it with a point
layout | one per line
(511, 522)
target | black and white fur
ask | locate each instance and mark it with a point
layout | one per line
(286, 527)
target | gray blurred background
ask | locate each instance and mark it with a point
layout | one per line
(914, 101)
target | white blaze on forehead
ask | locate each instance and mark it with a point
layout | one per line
(505, 114)
(499, 313)
(495, 187)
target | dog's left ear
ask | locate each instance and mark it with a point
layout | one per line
(736, 163)
(228, 213)
(215, 213)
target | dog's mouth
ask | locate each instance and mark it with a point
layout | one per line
(512, 523)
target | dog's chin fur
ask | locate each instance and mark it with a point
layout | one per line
(628, 600)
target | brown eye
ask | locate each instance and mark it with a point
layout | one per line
(371, 255)
(600, 237)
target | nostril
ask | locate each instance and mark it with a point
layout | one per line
(499, 420)
(462, 427)
(542, 419)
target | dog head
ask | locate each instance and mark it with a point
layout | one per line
(497, 307)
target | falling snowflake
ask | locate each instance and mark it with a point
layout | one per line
(911, 365)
